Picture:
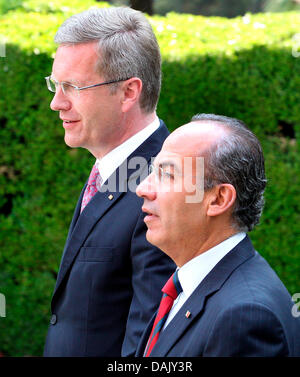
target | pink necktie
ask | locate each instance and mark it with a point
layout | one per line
(91, 188)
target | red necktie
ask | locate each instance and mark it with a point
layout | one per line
(91, 188)
(170, 291)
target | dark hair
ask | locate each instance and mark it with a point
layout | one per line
(237, 158)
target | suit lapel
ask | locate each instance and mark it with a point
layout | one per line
(145, 336)
(196, 302)
(121, 181)
(75, 216)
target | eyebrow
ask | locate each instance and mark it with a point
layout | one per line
(73, 82)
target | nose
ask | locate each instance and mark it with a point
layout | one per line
(146, 188)
(60, 101)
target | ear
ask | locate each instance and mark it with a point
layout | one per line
(132, 89)
(221, 199)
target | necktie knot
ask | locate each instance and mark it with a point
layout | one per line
(91, 187)
(173, 287)
(93, 176)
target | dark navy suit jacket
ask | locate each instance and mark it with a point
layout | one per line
(110, 278)
(241, 308)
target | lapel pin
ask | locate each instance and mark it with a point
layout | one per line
(188, 314)
(110, 197)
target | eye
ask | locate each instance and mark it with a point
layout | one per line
(68, 88)
(166, 173)
(162, 173)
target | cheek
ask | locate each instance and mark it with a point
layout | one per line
(85, 104)
(90, 119)
(172, 210)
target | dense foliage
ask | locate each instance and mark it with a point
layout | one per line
(222, 8)
(241, 67)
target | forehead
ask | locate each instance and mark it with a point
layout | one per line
(191, 140)
(165, 158)
(75, 61)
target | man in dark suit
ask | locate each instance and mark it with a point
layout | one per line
(204, 193)
(106, 78)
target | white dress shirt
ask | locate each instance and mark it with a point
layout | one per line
(111, 161)
(194, 271)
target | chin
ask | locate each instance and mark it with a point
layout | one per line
(154, 239)
(70, 142)
(150, 238)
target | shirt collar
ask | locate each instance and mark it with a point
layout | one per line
(111, 161)
(194, 271)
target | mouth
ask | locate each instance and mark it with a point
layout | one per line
(69, 123)
(149, 215)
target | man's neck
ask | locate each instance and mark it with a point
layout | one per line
(129, 127)
(208, 243)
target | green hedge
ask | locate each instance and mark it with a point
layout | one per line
(241, 67)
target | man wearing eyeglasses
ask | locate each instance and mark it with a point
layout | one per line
(106, 82)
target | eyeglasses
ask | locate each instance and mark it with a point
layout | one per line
(160, 173)
(68, 88)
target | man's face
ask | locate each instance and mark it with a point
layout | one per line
(174, 225)
(91, 117)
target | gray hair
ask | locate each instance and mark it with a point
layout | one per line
(237, 158)
(127, 47)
